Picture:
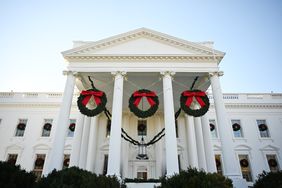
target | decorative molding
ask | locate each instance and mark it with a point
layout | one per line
(218, 73)
(167, 73)
(256, 106)
(145, 33)
(136, 58)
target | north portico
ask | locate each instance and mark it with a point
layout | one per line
(144, 59)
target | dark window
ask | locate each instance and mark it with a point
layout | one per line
(66, 161)
(21, 127)
(272, 163)
(176, 128)
(108, 131)
(71, 129)
(46, 130)
(142, 127)
(105, 169)
(12, 158)
(263, 128)
(245, 167)
(38, 165)
(218, 164)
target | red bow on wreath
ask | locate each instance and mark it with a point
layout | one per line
(148, 95)
(197, 96)
(88, 94)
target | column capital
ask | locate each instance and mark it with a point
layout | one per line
(118, 73)
(218, 73)
(68, 72)
(167, 73)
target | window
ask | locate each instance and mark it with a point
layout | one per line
(272, 163)
(12, 158)
(71, 127)
(263, 128)
(38, 165)
(237, 129)
(179, 163)
(66, 161)
(108, 131)
(176, 128)
(142, 127)
(218, 164)
(21, 127)
(46, 130)
(105, 168)
(142, 175)
(213, 128)
(245, 167)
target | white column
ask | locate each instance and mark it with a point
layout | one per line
(75, 152)
(56, 156)
(211, 166)
(200, 144)
(191, 142)
(91, 152)
(125, 148)
(159, 148)
(170, 135)
(84, 142)
(181, 133)
(231, 169)
(115, 138)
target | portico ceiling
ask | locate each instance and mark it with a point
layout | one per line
(135, 81)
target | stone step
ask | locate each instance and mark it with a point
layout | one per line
(142, 185)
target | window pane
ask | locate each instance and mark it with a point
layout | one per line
(21, 127)
(105, 168)
(214, 129)
(218, 164)
(245, 167)
(237, 133)
(38, 165)
(263, 128)
(142, 127)
(12, 158)
(47, 126)
(71, 132)
(272, 163)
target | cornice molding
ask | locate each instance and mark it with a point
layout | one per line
(136, 58)
(251, 106)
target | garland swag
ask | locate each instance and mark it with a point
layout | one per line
(186, 100)
(99, 98)
(135, 99)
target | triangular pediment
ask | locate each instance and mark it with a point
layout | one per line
(141, 42)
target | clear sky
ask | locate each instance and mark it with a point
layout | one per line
(33, 33)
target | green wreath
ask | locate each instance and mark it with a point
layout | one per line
(21, 126)
(262, 127)
(236, 127)
(100, 100)
(135, 99)
(186, 100)
(72, 127)
(47, 126)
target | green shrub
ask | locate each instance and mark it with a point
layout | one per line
(12, 176)
(269, 180)
(77, 178)
(192, 178)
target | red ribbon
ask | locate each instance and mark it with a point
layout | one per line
(197, 95)
(88, 94)
(138, 95)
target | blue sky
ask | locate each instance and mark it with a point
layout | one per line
(33, 33)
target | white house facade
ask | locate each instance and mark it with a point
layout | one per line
(239, 136)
